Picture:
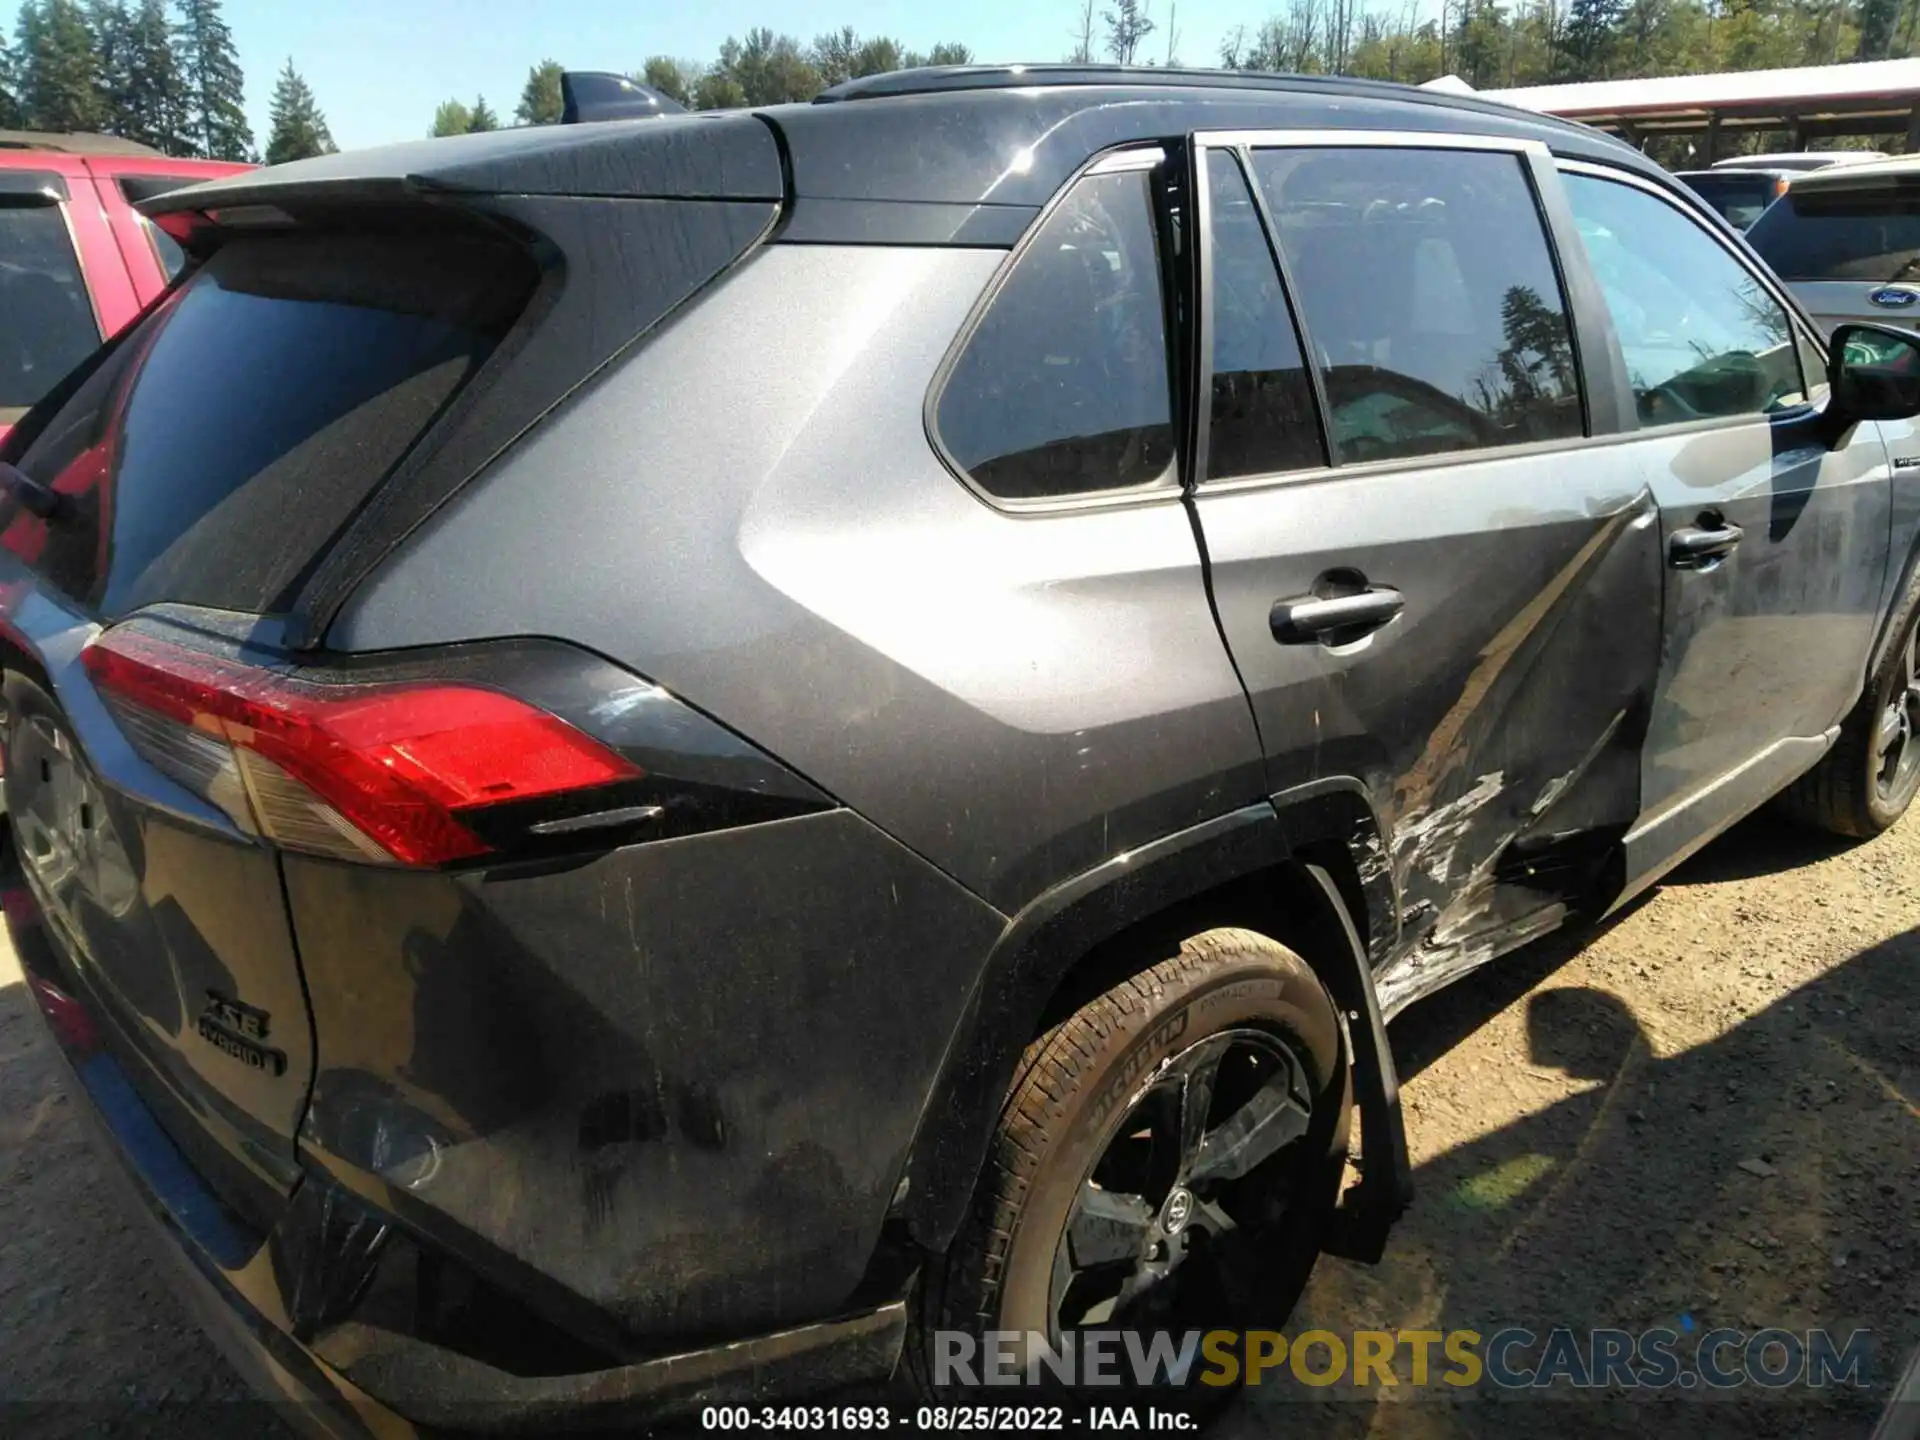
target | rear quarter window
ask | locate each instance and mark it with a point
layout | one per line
(229, 439)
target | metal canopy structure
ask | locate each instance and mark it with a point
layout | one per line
(1817, 102)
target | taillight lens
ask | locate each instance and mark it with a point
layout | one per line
(384, 772)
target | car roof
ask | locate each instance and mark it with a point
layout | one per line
(1869, 174)
(976, 138)
(1734, 172)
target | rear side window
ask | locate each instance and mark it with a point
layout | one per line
(1701, 336)
(46, 319)
(1870, 235)
(232, 436)
(1261, 419)
(1429, 298)
(1062, 387)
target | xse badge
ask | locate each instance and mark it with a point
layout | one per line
(241, 1032)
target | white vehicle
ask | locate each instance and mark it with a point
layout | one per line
(1799, 160)
(1847, 241)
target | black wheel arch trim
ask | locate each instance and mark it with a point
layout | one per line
(1052, 933)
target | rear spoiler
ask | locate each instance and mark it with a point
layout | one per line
(588, 95)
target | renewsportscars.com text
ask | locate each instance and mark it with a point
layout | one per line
(1512, 1358)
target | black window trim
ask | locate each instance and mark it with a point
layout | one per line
(1170, 485)
(1737, 250)
(1595, 366)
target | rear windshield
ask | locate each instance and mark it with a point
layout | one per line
(1869, 236)
(229, 439)
(1739, 199)
(46, 320)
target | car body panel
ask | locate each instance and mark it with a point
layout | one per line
(678, 1080)
(160, 906)
(997, 691)
(1765, 647)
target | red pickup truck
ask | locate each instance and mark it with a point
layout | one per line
(77, 261)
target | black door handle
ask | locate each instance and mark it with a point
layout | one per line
(1698, 547)
(1335, 619)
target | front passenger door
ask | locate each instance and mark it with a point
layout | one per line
(1775, 546)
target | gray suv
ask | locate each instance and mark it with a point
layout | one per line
(652, 761)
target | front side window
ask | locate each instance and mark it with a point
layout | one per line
(1429, 298)
(1702, 337)
(46, 320)
(1062, 388)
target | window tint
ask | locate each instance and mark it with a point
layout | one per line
(1701, 335)
(1738, 196)
(226, 441)
(1062, 388)
(1263, 419)
(1428, 295)
(166, 250)
(1839, 235)
(46, 320)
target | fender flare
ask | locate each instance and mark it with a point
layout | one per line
(1051, 934)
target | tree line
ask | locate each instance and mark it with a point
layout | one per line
(1487, 43)
(163, 74)
(762, 69)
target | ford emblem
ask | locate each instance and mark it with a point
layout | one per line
(1891, 298)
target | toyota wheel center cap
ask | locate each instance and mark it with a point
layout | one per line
(1178, 1210)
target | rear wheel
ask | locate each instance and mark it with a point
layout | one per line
(1166, 1160)
(1867, 781)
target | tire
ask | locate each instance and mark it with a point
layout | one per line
(1850, 791)
(1227, 991)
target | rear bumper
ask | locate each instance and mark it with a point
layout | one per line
(243, 1292)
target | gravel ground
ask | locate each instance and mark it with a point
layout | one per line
(1708, 1110)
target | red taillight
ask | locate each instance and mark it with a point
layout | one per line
(370, 772)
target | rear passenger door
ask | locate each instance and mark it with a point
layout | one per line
(1437, 580)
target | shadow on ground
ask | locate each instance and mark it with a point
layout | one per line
(1768, 1178)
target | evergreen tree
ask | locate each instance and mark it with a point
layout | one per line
(155, 110)
(9, 88)
(481, 116)
(540, 100)
(59, 79)
(452, 118)
(215, 88)
(299, 129)
(112, 57)
(950, 52)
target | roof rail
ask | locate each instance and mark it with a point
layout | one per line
(76, 143)
(588, 95)
(943, 79)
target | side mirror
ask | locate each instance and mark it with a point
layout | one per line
(1874, 371)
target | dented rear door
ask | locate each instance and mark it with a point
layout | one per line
(1439, 580)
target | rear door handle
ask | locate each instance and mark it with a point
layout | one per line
(1336, 619)
(1695, 547)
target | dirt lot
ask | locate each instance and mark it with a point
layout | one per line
(1709, 1113)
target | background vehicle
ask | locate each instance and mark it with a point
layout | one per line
(1799, 159)
(1737, 196)
(1848, 242)
(777, 731)
(77, 261)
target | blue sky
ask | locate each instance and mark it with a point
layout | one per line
(380, 66)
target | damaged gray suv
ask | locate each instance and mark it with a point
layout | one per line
(652, 760)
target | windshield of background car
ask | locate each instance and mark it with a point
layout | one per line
(1851, 234)
(1739, 199)
(46, 320)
